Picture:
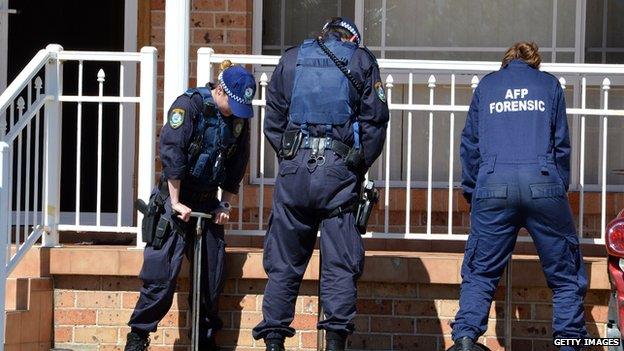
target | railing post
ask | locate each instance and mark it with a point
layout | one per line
(4, 228)
(147, 131)
(204, 71)
(52, 148)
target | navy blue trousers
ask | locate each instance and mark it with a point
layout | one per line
(506, 199)
(161, 268)
(302, 199)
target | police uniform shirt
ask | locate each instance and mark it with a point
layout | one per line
(174, 143)
(372, 113)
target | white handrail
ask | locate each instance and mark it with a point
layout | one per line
(22, 79)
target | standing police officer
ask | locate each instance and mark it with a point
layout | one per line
(515, 154)
(203, 146)
(326, 118)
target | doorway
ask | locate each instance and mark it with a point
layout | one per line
(87, 26)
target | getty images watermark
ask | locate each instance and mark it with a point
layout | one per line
(588, 342)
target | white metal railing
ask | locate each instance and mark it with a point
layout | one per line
(121, 220)
(453, 75)
(30, 150)
(30, 143)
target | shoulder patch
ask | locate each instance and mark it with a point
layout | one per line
(379, 90)
(176, 118)
(238, 127)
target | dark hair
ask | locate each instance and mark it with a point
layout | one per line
(343, 32)
(526, 51)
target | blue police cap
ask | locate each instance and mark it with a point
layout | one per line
(346, 24)
(240, 87)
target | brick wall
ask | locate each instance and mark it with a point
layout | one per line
(91, 313)
(224, 25)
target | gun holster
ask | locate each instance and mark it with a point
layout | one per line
(291, 141)
(152, 220)
(369, 196)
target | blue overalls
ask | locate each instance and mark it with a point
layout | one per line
(309, 93)
(213, 135)
(515, 155)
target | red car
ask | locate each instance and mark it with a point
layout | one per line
(614, 239)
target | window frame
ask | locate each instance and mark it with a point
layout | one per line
(579, 57)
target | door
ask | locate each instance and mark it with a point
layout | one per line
(84, 26)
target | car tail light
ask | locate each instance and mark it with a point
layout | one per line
(615, 237)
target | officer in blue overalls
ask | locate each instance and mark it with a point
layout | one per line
(203, 146)
(326, 117)
(515, 154)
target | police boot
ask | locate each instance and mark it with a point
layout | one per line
(136, 342)
(467, 344)
(274, 345)
(335, 341)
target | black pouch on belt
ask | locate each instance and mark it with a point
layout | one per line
(163, 229)
(291, 141)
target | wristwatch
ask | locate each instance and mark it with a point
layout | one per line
(225, 206)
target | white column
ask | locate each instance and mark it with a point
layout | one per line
(129, 112)
(147, 130)
(204, 68)
(177, 13)
(52, 148)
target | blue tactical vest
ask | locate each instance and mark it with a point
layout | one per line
(321, 91)
(214, 140)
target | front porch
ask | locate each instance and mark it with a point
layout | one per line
(408, 294)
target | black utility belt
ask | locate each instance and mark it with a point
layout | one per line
(294, 140)
(319, 145)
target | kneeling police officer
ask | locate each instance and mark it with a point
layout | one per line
(203, 146)
(326, 118)
(515, 154)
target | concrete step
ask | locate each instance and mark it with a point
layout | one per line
(34, 264)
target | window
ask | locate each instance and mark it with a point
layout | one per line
(604, 38)
(468, 30)
(288, 23)
(566, 31)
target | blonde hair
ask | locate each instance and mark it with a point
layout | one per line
(525, 51)
(225, 64)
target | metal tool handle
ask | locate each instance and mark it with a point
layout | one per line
(197, 260)
(202, 215)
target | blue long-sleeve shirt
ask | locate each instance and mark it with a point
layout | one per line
(517, 115)
(174, 145)
(372, 113)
